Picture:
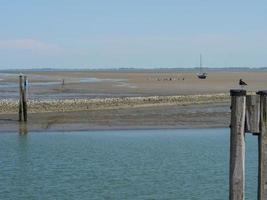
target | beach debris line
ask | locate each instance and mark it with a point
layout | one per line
(23, 115)
(67, 105)
(248, 115)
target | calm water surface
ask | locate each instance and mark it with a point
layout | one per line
(144, 164)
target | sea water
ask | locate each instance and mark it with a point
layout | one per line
(186, 164)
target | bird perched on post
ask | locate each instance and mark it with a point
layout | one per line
(242, 83)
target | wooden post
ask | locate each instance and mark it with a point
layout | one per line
(262, 170)
(20, 98)
(237, 145)
(25, 113)
(252, 114)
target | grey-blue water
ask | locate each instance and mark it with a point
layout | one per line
(144, 164)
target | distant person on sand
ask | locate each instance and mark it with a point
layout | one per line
(242, 83)
(62, 83)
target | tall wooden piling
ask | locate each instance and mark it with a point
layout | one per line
(237, 145)
(22, 99)
(252, 114)
(262, 166)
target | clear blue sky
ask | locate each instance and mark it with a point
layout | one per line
(132, 33)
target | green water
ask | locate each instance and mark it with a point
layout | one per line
(144, 164)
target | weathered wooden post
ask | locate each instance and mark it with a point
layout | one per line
(237, 145)
(252, 114)
(262, 170)
(20, 98)
(25, 112)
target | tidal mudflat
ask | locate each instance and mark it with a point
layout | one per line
(90, 100)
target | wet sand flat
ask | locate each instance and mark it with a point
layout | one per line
(101, 84)
(91, 100)
(165, 83)
(162, 116)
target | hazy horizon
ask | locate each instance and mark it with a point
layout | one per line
(132, 34)
(189, 69)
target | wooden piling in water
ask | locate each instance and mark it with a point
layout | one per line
(22, 99)
(262, 150)
(252, 124)
(237, 145)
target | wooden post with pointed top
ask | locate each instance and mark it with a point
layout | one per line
(237, 145)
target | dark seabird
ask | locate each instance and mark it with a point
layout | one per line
(242, 83)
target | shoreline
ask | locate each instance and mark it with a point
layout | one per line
(171, 112)
(113, 129)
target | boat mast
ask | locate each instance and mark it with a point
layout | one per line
(200, 63)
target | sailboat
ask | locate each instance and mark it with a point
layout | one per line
(201, 74)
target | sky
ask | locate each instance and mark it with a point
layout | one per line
(132, 33)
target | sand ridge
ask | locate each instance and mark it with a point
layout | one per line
(67, 105)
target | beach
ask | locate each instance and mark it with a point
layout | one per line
(96, 100)
(121, 113)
